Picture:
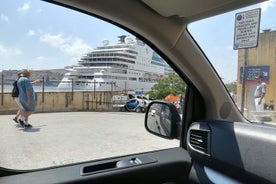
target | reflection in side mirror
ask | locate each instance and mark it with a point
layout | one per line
(162, 119)
(153, 112)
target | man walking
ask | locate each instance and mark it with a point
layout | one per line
(26, 98)
(15, 95)
(260, 93)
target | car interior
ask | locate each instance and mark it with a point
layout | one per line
(217, 144)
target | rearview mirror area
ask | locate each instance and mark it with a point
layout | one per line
(162, 119)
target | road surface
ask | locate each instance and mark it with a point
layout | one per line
(72, 137)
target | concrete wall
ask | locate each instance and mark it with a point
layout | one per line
(63, 101)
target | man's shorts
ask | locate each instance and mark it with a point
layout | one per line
(27, 108)
(16, 99)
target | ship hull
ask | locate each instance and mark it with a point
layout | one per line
(105, 85)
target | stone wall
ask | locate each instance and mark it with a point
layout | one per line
(60, 101)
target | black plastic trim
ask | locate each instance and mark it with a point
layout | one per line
(243, 151)
(106, 166)
(173, 165)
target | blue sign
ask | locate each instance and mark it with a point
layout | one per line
(253, 71)
(138, 92)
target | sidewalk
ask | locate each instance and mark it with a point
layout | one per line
(263, 117)
(64, 138)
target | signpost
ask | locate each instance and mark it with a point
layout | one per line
(247, 28)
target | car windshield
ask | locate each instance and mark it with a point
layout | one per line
(241, 46)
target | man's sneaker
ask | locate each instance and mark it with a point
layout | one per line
(21, 122)
(15, 120)
(28, 125)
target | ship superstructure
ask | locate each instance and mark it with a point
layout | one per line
(129, 65)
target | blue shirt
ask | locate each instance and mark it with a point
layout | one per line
(25, 84)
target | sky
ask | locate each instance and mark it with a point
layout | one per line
(38, 35)
(217, 37)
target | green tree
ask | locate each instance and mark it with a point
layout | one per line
(172, 84)
(232, 87)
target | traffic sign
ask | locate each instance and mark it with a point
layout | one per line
(247, 27)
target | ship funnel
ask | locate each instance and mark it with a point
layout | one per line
(122, 38)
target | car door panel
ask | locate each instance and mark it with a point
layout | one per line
(171, 165)
(243, 151)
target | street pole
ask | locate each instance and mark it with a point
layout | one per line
(43, 89)
(72, 90)
(2, 88)
(244, 80)
(94, 88)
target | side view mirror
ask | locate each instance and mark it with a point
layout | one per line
(162, 119)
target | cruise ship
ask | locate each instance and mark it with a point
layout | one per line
(129, 65)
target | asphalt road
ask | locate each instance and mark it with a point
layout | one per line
(72, 137)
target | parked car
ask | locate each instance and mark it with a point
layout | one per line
(216, 142)
(119, 101)
(136, 105)
(130, 103)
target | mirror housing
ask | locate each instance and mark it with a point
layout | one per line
(162, 119)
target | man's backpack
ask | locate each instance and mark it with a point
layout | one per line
(15, 91)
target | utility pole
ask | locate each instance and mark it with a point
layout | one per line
(244, 80)
(2, 87)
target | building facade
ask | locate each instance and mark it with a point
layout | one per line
(259, 60)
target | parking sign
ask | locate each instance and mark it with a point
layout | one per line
(247, 27)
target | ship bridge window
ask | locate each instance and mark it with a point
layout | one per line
(86, 77)
(103, 76)
(131, 51)
(119, 71)
(132, 78)
(119, 78)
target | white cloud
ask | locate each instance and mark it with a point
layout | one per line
(41, 58)
(4, 18)
(268, 4)
(5, 51)
(16, 51)
(74, 47)
(54, 40)
(31, 33)
(24, 9)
